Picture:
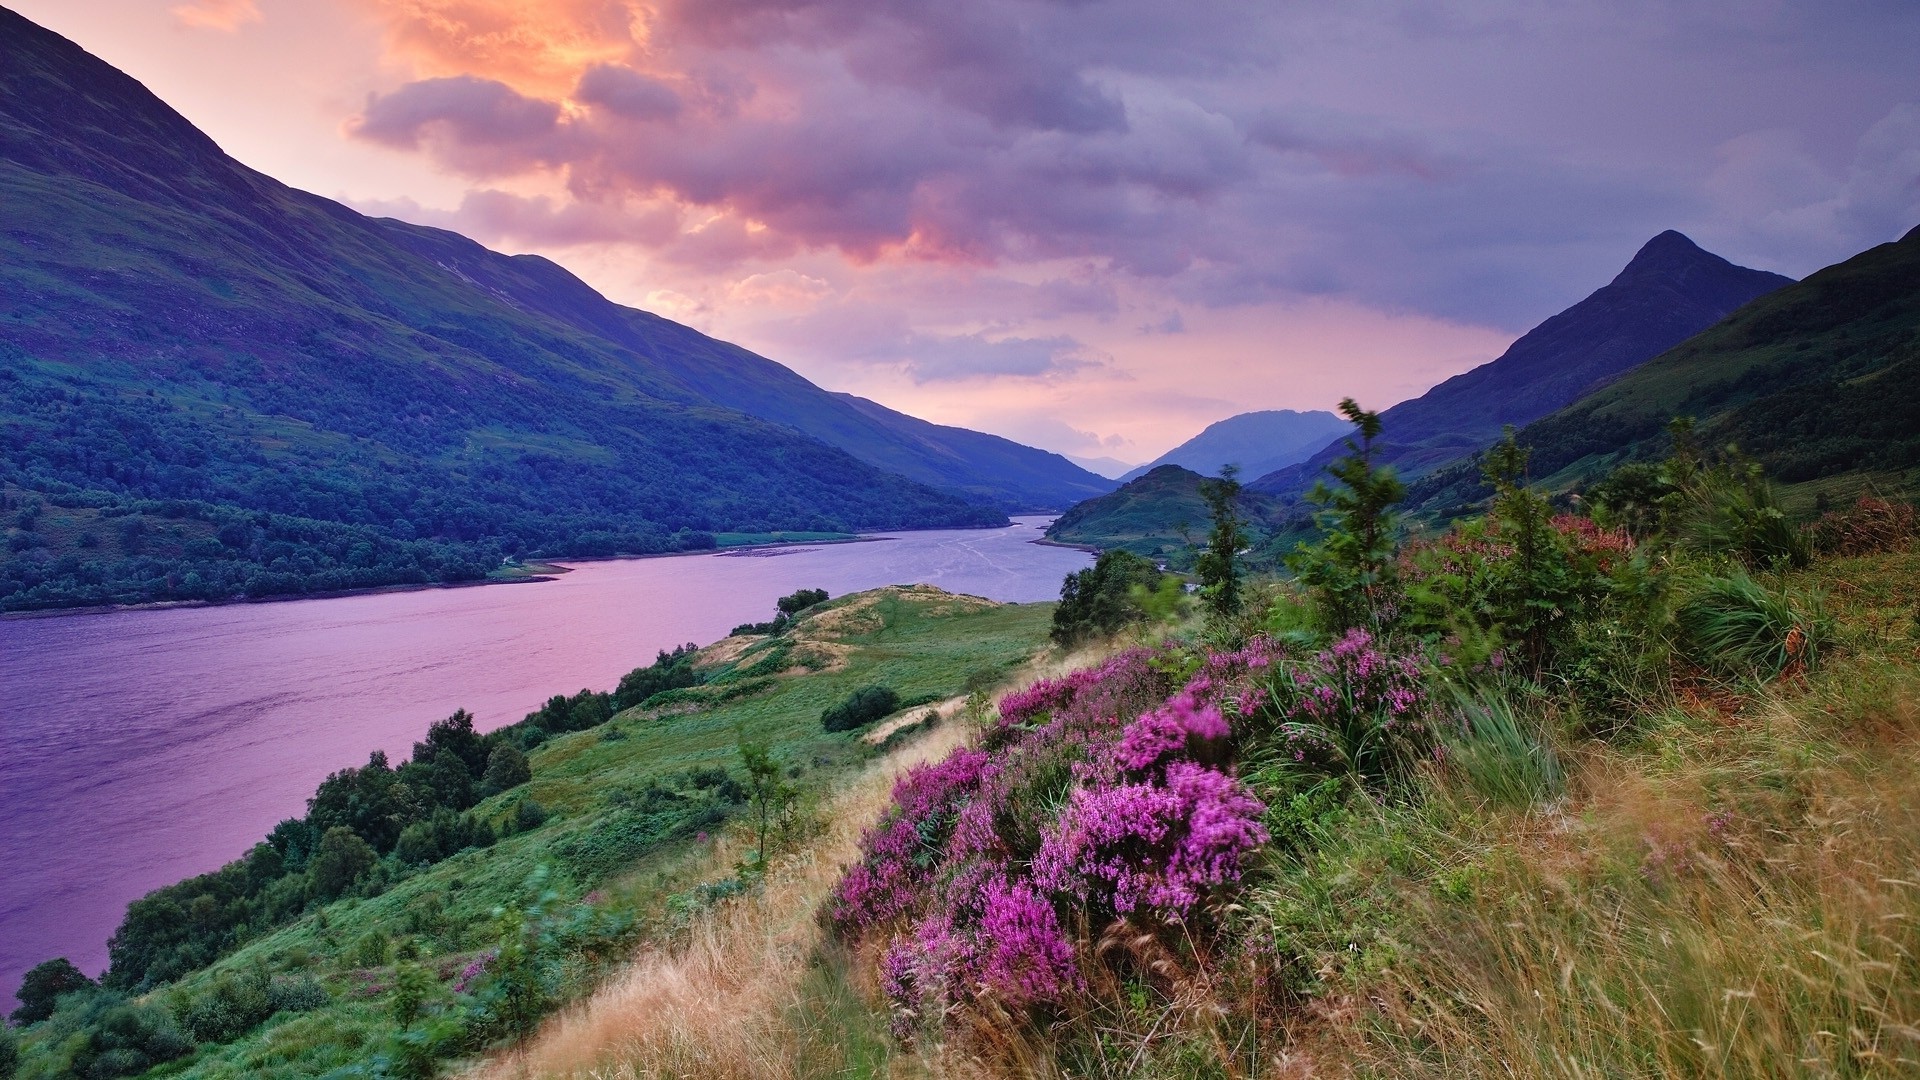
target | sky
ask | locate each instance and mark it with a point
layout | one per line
(1093, 226)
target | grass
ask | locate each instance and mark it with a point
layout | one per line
(1731, 890)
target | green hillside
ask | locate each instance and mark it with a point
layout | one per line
(1819, 382)
(212, 384)
(1160, 515)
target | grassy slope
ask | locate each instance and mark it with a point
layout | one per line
(919, 640)
(1726, 891)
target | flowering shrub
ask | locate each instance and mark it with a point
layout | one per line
(1350, 710)
(1149, 845)
(1105, 793)
(903, 849)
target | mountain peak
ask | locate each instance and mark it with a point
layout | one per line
(1665, 253)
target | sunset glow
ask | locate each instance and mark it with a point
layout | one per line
(1092, 227)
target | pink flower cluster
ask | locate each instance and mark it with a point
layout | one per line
(1351, 708)
(1103, 792)
(903, 849)
(1181, 726)
(1149, 845)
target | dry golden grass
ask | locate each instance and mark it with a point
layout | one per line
(721, 1002)
(1746, 905)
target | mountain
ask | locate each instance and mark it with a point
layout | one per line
(1111, 468)
(1258, 442)
(1819, 382)
(1160, 515)
(1670, 291)
(212, 383)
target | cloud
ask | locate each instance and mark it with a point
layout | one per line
(480, 126)
(627, 93)
(223, 15)
(942, 358)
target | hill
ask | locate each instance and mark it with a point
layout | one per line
(629, 819)
(1160, 515)
(211, 383)
(1819, 382)
(1668, 292)
(1257, 442)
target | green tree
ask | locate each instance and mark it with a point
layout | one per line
(506, 768)
(1218, 567)
(860, 708)
(768, 793)
(1103, 598)
(341, 861)
(42, 987)
(412, 985)
(1350, 571)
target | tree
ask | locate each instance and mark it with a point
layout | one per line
(768, 793)
(506, 768)
(862, 707)
(1218, 566)
(800, 600)
(1350, 571)
(1103, 598)
(43, 986)
(454, 734)
(342, 860)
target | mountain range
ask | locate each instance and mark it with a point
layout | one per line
(187, 345)
(1669, 291)
(1818, 382)
(1256, 442)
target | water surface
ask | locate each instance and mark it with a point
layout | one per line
(141, 747)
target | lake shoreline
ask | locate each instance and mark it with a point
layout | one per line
(543, 571)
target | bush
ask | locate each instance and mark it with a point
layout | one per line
(1102, 599)
(862, 707)
(342, 860)
(1736, 627)
(507, 768)
(230, 1008)
(43, 986)
(1868, 526)
(528, 814)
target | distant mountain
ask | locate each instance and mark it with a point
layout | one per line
(1112, 468)
(1160, 515)
(1819, 382)
(1257, 442)
(222, 384)
(1670, 291)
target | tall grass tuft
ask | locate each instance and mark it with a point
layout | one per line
(1502, 752)
(1737, 627)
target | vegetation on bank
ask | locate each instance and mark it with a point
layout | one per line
(414, 920)
(1629, 792)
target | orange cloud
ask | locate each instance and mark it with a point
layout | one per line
(224, 15)
(538, 47)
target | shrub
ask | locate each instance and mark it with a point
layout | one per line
(1104, 598)
(507, 768)
(528, 814)
(1868, 526)
(42, 987)
(1736, 627)
(862, 707)
(1352, 710)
